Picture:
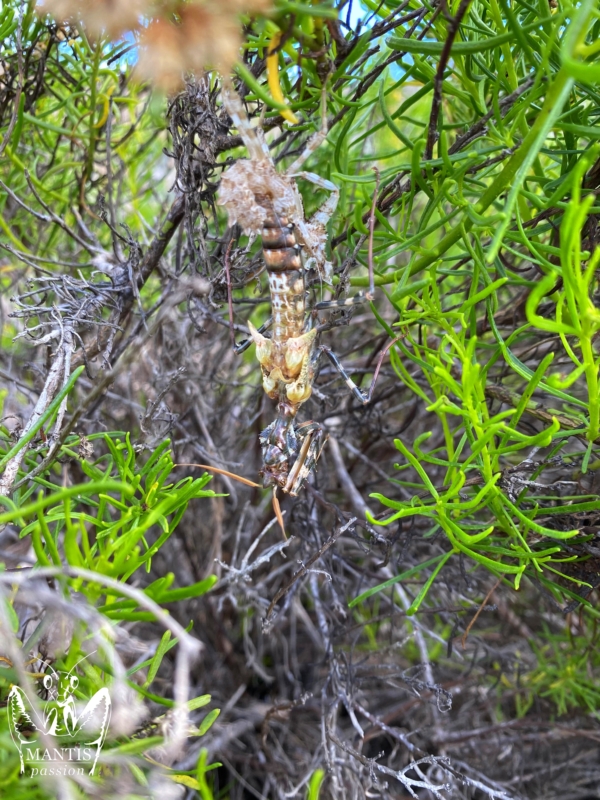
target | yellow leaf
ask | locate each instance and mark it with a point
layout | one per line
(273, 77)
(186, 780)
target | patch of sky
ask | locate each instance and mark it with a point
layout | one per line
(360, 16)
(125, 51)
(119, 54)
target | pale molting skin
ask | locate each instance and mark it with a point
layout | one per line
(253, 191)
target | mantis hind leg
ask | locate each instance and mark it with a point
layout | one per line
(363, 397)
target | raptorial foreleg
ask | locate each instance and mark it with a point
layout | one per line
(313, 437)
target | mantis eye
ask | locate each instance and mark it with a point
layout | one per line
(74, 681)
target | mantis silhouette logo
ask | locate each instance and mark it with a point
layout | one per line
(55, 740)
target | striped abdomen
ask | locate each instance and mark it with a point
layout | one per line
(286, 279)
(286, 358)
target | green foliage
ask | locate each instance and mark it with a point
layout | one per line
(120, 524)
(112, 524)
(564, 673)
(577, 318)
(314, 785)
(491, 527)
(54, 148)
(201, 783)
